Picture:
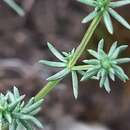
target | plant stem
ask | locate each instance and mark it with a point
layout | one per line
(82, 46)
(46, 89)
(80, 49)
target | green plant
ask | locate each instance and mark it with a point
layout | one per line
(15, 7)
(106, 8)
(14, 113)
(103, 66)
(106, 65)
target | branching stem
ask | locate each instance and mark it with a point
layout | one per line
(80, 49)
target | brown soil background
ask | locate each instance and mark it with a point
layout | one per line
(23, 43)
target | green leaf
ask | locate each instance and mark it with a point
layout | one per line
(15, 7)
(119, 3)
(34, 112)
(65, 54)
(52, 64)
(26, 125)
(16, 92)
(32, 107)
(13, 104)
(91, 61)
(81, 67)
(59, 75)
(100, 45)
(75, 84)
(107, 85)
(88, 2)
(103, 78)
(119, 72)
(122, 60)
(81, 72)
(101, 54)
(108, 22)
(89, 17)
(30, 118)
(8, 117)
(93, 53)
(119, 18)
(30, 102)
(56, 52)
(112, 74)
(90, 73)
(1, 118)
(117, 51)
(112, 49)
(11, 97)
(13, 125)
(122, 48)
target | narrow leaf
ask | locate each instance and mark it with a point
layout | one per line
(112, 74)
(117, 51)
(32, 107)
(107, 85)
(8, 117)
(81, 67)
(56, 52)
(34, 112)
(103, 78)
(119, 18)
(32, 119)
(112, 49)
(119, 3)
(16, 92)
(93, 53)
(75, 84)
(100, 45)
(91, 61)
(59, 75)
(26, 125)
(52, 64)
(89, 17)
(119, 72)
(30, 102)
(122, 60)
(89, 74)
(15, 7)
(108, 22)
(101, 54)
(14, 104)
(13, 125)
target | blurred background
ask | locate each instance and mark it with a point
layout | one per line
(23, 44)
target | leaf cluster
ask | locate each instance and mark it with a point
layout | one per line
(14, 111)
(104, 66)
(106, 8)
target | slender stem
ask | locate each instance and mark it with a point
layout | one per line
(80, 49)
(46, 89)
(82, 46)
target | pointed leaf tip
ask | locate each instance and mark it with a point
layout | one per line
(56, 52)
(75, 84)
